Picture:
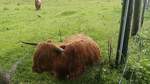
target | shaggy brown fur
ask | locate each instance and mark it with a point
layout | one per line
(67, 60)
(38, 4)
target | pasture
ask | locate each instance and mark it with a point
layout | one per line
(57, 19)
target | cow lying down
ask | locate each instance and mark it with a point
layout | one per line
(67, 60)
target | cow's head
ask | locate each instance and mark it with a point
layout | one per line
(44, 56)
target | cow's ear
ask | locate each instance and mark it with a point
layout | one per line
(58, 50)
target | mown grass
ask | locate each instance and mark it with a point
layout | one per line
(98, 19)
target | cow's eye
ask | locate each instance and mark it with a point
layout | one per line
(63, 46)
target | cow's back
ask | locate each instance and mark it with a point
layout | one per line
(83, 49)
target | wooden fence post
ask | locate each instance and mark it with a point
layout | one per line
(132, 14)
(124, 55)
(122, 31)
(137, 18)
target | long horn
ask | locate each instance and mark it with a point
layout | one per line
(59, 50)
(29, 43)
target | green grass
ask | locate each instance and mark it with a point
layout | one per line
(98, 19)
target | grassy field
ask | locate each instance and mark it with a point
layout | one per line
(98, 19)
